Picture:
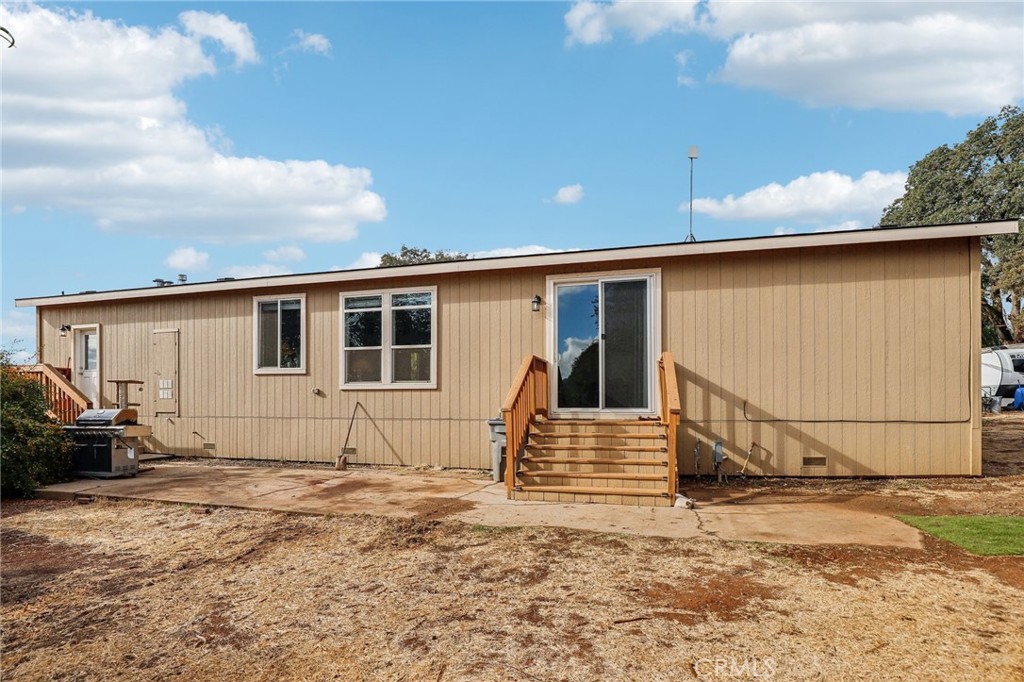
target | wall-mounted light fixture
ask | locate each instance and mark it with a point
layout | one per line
(64, 329)
(535, 304)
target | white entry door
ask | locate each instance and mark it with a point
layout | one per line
(87, 362)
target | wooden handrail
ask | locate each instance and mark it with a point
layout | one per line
(667, 370)
(66, 402)
(527, 397)
(670, 414)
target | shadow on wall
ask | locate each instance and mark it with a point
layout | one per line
(737, 432)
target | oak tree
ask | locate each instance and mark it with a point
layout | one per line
(410, 255)
(981, 178)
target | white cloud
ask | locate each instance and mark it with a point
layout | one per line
(682, 60)
(958, 58)
(937, 62)
(22, 357)
(234, 37)
(727, 18)
(570, 194)
(316, 43)
(17, 324)
(596, 22)
(285, 254)
(530, 250)
(262, 270)
(809, 198)
(187, 258)
(369, 259)
(573, 348)
(845, 226)
(103, 134)
(18, 335)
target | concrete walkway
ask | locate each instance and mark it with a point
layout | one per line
(478, 501)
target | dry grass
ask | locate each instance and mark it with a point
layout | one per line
(140, 591)
(131, 591)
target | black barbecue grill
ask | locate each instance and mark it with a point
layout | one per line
(107, 442)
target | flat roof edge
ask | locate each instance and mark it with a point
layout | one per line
(568, 258)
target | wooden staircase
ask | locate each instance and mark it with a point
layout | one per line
(64, 399)
(610, 461)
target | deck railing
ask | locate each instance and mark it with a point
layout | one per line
(527, 398)
(670, 411)
(66, 402)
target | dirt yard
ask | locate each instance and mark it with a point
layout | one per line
(143, 591)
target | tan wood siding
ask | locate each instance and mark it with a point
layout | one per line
(864, 355)
(829, 352)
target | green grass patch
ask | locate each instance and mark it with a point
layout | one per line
(984, 535)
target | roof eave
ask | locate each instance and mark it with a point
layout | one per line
(561, 258)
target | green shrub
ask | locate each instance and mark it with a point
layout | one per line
(34, 450)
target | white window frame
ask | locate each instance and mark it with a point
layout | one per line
(654, 342)
(256, 300)
(387, 382)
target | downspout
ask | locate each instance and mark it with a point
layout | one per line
(39, 336)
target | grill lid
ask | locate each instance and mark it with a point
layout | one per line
(108, 417)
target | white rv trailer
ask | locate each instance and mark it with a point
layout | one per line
(1002, 370)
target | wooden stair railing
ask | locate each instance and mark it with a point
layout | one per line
(617, 460)
(527, 397)
(66, 402)
(670, 414)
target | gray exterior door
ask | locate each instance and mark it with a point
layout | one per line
(165, 371)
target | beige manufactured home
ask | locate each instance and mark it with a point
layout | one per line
(834, 354)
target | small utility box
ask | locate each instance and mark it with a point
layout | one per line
(498, 443)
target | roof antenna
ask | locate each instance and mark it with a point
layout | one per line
(694, 153)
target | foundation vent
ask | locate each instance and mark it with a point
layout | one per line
(209, 446)
(815, 461)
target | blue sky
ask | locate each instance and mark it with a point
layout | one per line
(143, 140)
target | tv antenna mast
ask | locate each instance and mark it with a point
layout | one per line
(693, 154)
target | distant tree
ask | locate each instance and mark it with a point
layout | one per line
(981, 178)
(410, 255)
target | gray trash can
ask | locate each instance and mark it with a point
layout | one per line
(498, 443)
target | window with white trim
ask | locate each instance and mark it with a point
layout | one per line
(388, 339)
(279, 331)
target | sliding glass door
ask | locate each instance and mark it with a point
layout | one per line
(603, 332)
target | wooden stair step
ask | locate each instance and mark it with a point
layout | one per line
(609, 448)
(590, 474)
(596, 434)
(599, 422)
(583, 490)
(594, 460)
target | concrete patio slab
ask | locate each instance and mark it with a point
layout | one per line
(811, 523)
(310, 491)
(478, 501)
